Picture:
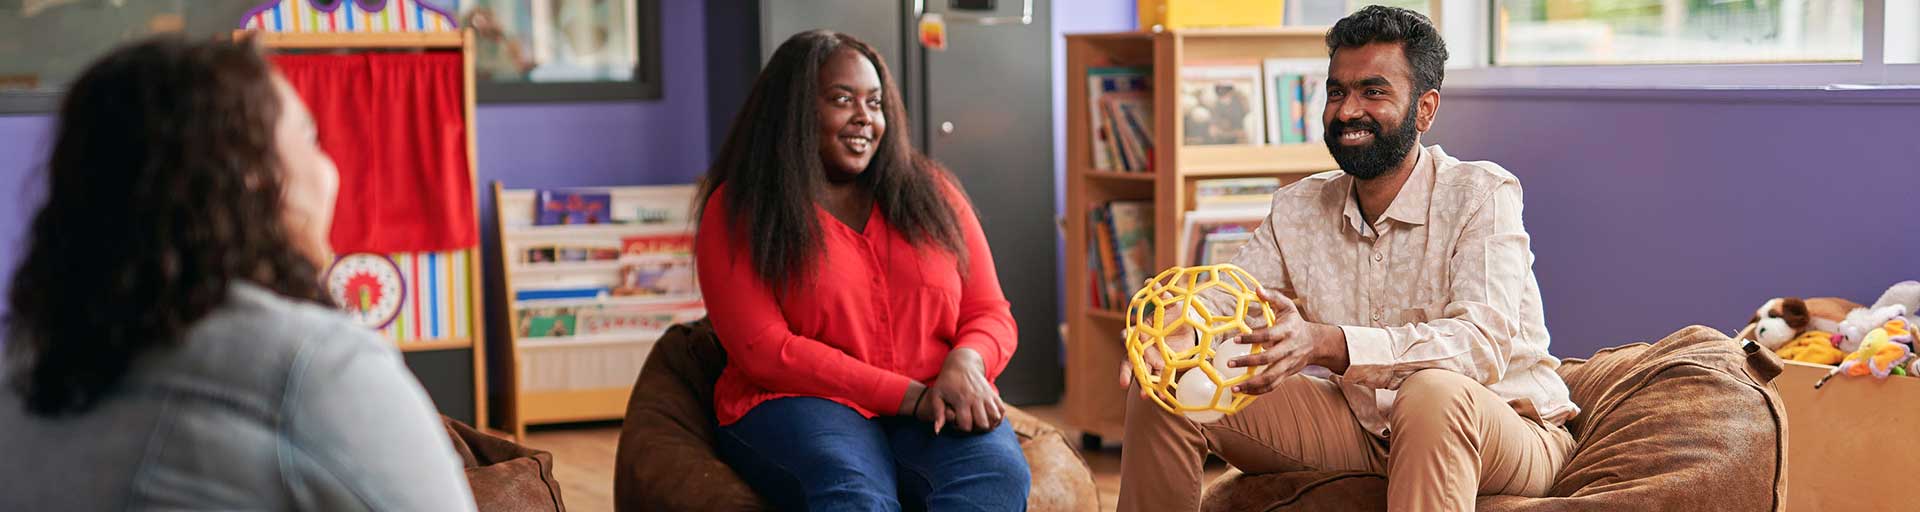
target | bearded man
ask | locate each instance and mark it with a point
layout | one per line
(1408, 274)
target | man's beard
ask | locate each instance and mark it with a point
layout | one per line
(1386, 151)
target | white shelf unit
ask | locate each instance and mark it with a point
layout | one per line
(583, 375)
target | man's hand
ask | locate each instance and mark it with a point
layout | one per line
(1180, 339)
(1291, 343)
(963, 393)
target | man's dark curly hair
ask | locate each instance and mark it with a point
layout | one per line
(163, 189)
(1426, 52)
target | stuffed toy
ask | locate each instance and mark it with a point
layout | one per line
(1899, 301)
(1860, 322)
(1881, 354)
(1813, 347)
(1784, 319)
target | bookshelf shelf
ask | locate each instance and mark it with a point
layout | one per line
(606, 301)
(563, 268)
(1107, 314)
(614, 338)
(593, 231)
(1234, 161)
(567, 375)
(1315, 32)
(1092, 403)
(1120, 176)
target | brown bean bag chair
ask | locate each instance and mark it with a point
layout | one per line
(1687, 423)
(666, 459)
(505, 476)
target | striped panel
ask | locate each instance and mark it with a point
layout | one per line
(439, 295)
(434, 296)
(349, 16)
(413, 294)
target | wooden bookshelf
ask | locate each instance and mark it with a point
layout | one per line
(1094, 402)
(578, 376)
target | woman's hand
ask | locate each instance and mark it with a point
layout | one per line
(963, 395)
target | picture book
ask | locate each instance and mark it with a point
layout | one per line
(555, 207)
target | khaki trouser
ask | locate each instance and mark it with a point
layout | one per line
(1451, 439)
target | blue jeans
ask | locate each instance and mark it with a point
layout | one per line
(813, 454)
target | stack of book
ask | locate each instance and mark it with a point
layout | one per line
(1121, 110)
(1226, 212)
(1296, 91)
(1120, 252)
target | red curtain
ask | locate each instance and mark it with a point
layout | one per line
(394, 124)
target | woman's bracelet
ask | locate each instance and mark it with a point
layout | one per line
(916, 402)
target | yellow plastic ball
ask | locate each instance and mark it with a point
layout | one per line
(1195, 380)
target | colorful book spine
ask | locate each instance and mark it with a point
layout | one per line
(1100, 82)
(1096, 272)
(1109, 257)
(1138, 117)
(1133, 231)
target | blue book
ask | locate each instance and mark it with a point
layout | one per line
(560, 293)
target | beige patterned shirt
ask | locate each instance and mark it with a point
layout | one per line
(1444, 279)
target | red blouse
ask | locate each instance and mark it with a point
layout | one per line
(879, 314)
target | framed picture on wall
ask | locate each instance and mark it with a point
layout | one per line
(564, 50)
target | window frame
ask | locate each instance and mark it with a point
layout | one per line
(1468, 27)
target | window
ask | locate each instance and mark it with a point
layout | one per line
(1829, 44)
(1902, 31)
(1592, 32)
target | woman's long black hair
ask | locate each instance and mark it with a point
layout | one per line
(772, 168)
(163, 188)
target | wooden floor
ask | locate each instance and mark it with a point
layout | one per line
(583, 461)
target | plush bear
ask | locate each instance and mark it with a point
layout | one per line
(1784, 319)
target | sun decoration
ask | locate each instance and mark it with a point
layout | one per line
(1195, 381)
(369, 287)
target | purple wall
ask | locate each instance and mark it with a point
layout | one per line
(1075, 17)
(1654, 210)
(22, 144)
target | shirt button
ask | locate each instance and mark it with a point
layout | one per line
(1376, 318)
(1376, 256)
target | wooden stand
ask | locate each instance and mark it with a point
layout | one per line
(1095, 403)
(461, 41)
(526, 365)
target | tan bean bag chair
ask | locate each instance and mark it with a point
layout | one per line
(1687, 423)
(666, 459)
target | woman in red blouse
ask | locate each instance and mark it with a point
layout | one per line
(848, 279)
